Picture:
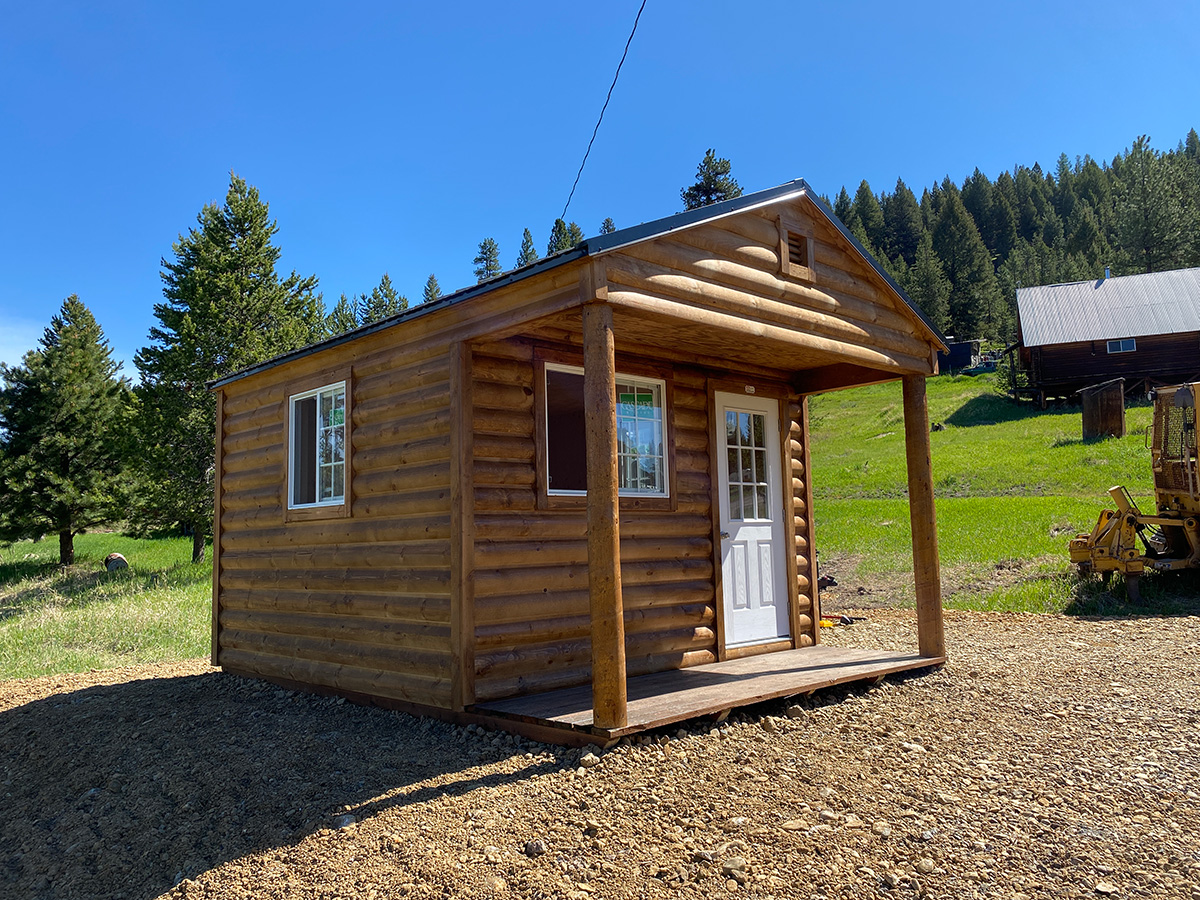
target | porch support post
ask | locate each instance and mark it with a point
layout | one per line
(926, 569)
(604, 548)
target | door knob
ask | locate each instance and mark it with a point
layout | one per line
(724, 534)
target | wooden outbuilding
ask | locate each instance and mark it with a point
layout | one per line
(1104, 409)
(572, 501)
(1142, 328)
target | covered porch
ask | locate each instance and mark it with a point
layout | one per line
(616, 704)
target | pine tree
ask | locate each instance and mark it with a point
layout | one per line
(383, 301)
(559, 239)
(607, 226)
(225, 308)
(713, 183)
(63, 424)
(487, 260)
(902, 224)
(870, 213)
(927, 285)
(976, 309)
(433, 290)
(574, 234)
(843, 206)
(343, 317)
(1149, 211)
(528, 254)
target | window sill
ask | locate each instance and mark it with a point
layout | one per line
(308, 513)
(579, 501)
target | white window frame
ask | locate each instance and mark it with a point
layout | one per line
(636, 381)
(1121, 348)
(333, 387)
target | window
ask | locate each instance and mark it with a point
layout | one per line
(746, 449)
(641, 434)
(1125, 345)
(317, 464)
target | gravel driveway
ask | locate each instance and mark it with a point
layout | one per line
(1053, 757)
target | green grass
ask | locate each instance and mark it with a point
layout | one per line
(71, 620)
(1013, 482)
(991, 446)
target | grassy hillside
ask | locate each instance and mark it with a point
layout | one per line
(54, 620)
(1013, 484)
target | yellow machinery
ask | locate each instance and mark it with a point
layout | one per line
(1128, 541)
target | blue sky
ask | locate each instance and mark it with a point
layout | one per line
(395, 136)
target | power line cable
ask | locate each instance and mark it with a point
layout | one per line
(617, 75)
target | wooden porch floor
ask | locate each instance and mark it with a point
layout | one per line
(664, 698)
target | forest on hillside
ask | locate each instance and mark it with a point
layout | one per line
(962, 250)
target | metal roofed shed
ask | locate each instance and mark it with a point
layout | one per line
(1143, 328)
(574, 500)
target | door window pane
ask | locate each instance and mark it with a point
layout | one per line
(746, 452)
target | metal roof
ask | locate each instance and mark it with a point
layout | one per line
(1111, 308)
(601, 244)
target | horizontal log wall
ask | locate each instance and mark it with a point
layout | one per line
(531, 583)
(727, 276)
(1163, 357)
(360, 603)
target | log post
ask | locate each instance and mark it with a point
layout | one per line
(604, 553)
(926, 569)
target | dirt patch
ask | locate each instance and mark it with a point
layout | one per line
(853, 590)
(1052, 757)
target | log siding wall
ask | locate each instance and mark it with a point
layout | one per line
(531, 585)
(1162, 357)
(360, 603)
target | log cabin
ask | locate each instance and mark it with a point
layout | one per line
(1142, 328)
(573, 501)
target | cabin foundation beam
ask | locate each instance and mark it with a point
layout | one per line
(926, 568)
(609, 704)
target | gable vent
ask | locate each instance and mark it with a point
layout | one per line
(797, 249)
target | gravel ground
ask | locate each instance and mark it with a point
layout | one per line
(1052, 757)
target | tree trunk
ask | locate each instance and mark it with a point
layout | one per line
(66, 548)
(197, 545)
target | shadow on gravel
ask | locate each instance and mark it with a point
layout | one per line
(123, 790)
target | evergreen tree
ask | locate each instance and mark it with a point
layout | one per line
(383, 301)
(559, 238)
(713, 183)
(1149, 211)
(487, 260)
(342, 318)
(528, 254)
(433, 290)
(976, 308)
(927, 285)
(870, 213)
(63, 423)
(607, 226)
(574, 234)
(843, 206)
(902, 224)
(225, 308)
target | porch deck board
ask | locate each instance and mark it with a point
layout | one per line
(663, 698)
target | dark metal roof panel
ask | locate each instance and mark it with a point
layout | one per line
(1110, 308)
(601, 244)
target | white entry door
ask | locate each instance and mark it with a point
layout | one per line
(753, 562)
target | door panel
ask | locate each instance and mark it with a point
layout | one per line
(753, 573)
